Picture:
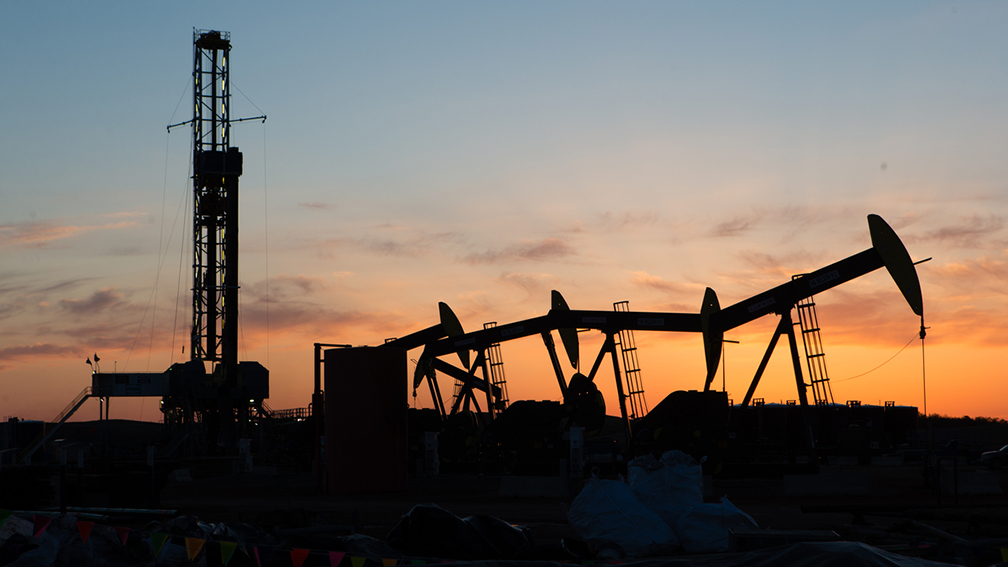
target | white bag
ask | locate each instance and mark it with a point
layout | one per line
(669, 487)
(607, 512)
(707, 527)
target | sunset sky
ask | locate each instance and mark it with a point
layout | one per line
(482, 154)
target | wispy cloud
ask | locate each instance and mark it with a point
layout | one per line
(285, 287)
(100, 301)
(737, 226)
(38, 234)
(125, 214)
(529, 250)
(627, 220)
(645, 279)
(18, 353)
(973, 276)
(968, 232)
(390, 241)
(531, 283)
(317, 206)
(65, 285)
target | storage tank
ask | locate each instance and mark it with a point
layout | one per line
(365, 419)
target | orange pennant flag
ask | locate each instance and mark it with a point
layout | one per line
(357, 561)
(298, 556)
(227, 549)
(388, 562)
(335, 557)
(193, 545)
(123, 534)
(159, 541)
(85, 529)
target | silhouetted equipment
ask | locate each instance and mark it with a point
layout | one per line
(224, 398)
(437, 341)
(496, 374)
(697, 420)
(815, 355)
(887, 250)
(631, 368)
(366, 419)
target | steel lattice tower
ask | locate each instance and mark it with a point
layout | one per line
(216, 168)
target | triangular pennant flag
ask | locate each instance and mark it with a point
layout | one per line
(357, 561)
(335, 557)
(193, 545)
(41, 523)
(85, 529)
(227, 549)
(255, 551)
(265, 552)
(418, 562)
(159, 540)
(1004, 552)
(123, 534)
(4, 514)
(298, 556)
(388, 562)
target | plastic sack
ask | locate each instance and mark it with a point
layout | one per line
(707, 527)
(607, 513)
(430, 530)
(669, 487)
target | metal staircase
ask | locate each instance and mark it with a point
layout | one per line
(814, 354)
(497, 372)
(631, 368)
(56, 423)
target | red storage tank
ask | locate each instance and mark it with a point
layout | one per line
(365, 419)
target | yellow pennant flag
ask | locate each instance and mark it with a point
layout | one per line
(227, 549)
(357, 561)
(158, 540)
(193, 545)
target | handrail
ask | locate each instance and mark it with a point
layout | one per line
(72, 406)
(64, 415)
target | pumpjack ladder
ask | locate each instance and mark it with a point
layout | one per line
(815, 356)
(497, 372)
(631, 368)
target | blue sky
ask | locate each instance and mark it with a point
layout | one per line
(483, 154)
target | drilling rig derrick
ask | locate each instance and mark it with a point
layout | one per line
(213, 390)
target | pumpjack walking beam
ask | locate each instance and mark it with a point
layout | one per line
(887, 250)
(566, 321)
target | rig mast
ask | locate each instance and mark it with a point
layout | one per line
(216, 168)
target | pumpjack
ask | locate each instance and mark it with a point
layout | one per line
(448, 337)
